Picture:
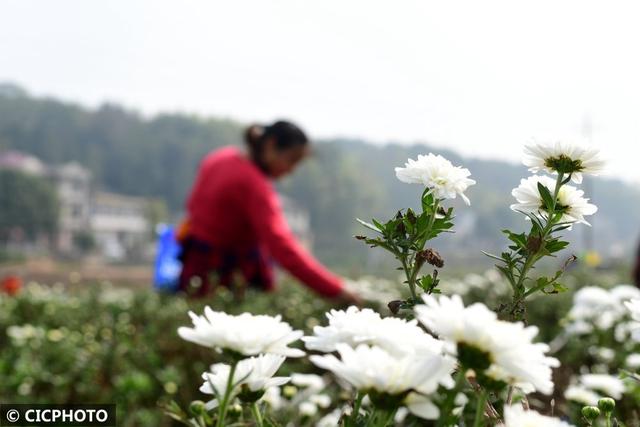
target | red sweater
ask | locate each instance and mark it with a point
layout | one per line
(233, 205)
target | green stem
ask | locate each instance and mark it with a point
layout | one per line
(356, 407)
(222, 409)
(482, 401)
(519, 292)
(412, 274)
(372, 416)
(256, 414)
(409, 274)
(385, 420)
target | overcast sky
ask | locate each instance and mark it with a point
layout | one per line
(480, 77)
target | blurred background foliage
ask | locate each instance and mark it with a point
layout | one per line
(157, 157)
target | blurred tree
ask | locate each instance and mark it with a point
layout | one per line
(29, 207)
(158, 158)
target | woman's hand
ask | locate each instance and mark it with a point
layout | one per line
(349, 297)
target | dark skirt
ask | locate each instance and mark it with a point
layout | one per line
(205, 266)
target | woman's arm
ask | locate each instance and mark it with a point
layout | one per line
(268, 221)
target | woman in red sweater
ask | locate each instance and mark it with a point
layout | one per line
(235, 222)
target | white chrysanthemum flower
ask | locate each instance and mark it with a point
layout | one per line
(595, 307)
(517, 416)
(355, 326)
(511, 356)
(310, 381)
(563, 157)
(254, 375)
(374, 370)
(582, 395)
(633, 361)
(609, 385)
(308, 409)
(570, 200)
(437, 173)
(634, 309)
(246, 333)
(621, 293)
(273, 397)
(332, 419)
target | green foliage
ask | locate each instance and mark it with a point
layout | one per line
(29, 206)
(405, 236)
(115, 345)
(529, 248)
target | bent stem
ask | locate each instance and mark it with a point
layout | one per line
(222, 409)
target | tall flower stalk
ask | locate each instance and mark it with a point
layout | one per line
(552, 206)
(407, 233)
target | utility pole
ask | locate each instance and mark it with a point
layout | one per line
(587, 133)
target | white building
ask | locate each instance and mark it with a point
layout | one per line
(119, 225)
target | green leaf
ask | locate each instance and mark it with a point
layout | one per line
(492, 256)
(555, 245)
(547, 198)
(519, 239)
(427, 201)
(369, 225)
(556, 289)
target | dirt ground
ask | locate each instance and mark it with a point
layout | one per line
(50, 271)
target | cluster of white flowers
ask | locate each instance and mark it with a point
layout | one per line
(385, 356)
(254, 375)
(587, 389)
(438, 174)
(511, 356)
(596, 308)
(560, 157)
(266, 337)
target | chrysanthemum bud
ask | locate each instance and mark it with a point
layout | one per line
(411, 217)
(606, 405)
(534, 243)
(289, 391)
(395, 305)
(431, 256)
(590, 413)
(197, 407)
(235, 409)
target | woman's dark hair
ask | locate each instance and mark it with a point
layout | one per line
(285, 135)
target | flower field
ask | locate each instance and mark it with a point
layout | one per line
(521, 344)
